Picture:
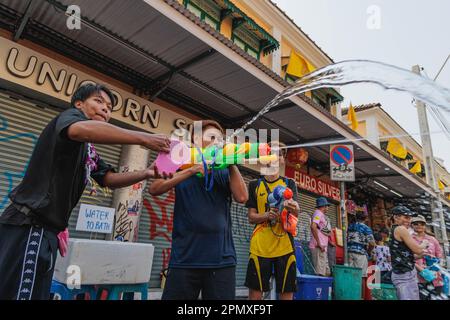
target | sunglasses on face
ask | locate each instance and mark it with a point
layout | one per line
(418, 224)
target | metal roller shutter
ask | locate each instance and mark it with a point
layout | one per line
(307, 207)
(333, 214)
(21, 123)
(155, 227)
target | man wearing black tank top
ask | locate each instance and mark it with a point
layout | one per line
(404, 251)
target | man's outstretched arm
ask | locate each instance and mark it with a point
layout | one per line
(115, 180)
(106, 133)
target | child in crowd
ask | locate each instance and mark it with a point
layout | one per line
(381, 255)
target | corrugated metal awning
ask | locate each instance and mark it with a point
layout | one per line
(135, 43)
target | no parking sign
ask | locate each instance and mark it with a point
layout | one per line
(342, 164)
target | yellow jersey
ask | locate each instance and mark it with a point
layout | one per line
(269, 241)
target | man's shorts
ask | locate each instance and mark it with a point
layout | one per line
(260, 270)
(358, 260)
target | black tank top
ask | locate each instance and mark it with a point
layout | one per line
(401, 256)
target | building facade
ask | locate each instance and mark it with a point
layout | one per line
(375, 124)
(170, 63)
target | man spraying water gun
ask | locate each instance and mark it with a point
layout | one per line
(203, 257)
(271, 246)
(63, 162)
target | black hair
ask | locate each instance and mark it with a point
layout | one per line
(360, 216)
(85, 91)
(377, 237)
(384, 230)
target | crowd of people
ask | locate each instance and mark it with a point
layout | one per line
(406, 256)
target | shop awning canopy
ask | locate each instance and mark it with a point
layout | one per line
(329, 93)
(183, 61)
(241, 20)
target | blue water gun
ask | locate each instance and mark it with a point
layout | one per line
(278, 196)
(432, 263)
(276, 200)
(428, 275)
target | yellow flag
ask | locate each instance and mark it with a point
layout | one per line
(351, 115)
(441, 185)
(417, 167)
(395, 148)
(298, 66)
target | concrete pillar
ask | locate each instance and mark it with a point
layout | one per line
(336, 110)
(128, 201)
(276, 55)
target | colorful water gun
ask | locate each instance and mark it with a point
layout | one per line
(276, 200)
(220, 158)
(428, 275)
(213, 158)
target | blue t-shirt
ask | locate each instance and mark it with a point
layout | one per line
(202, 235)
(359, 237)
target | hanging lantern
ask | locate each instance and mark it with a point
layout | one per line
(297, 157)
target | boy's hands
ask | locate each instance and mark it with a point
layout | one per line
(153, 172)
(291, 205)
(197, 168)
(272, 215)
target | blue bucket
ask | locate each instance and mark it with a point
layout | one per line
(299, 256)
(313, 288)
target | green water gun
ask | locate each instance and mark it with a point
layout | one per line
(216, 158)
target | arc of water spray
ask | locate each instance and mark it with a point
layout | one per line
(363, 71)
(339, 141)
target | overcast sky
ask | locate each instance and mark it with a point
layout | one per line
(410, 32)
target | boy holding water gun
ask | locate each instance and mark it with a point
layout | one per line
(271, 247)
(203, 257)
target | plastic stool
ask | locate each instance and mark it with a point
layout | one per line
(115, 290)
(61, 292)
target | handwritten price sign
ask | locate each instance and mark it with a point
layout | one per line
(95, 219)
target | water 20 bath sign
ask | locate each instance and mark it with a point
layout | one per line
(95, 219)
(342, 163)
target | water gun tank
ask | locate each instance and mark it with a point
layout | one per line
(279, 194)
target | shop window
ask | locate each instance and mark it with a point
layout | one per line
(207, 10)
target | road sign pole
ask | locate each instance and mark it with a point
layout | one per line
(344, 222)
